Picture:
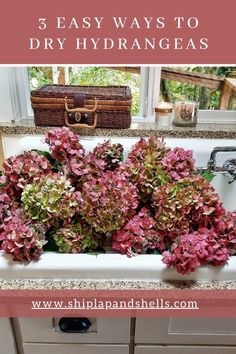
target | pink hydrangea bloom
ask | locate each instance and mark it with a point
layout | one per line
(105, 157)
(5, 207)
(8, 208)
(138, 235)
(179, 163)
(64, 144)
(224, 227)
(20, 170)
(23, 241)
(83, 170)
(107, 203)
(190, 251)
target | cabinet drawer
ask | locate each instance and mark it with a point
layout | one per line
(210, 331)
(102, 330)
(75, 349)
(184, 350)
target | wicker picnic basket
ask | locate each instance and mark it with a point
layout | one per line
(82, 106)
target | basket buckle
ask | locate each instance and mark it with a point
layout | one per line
(78, 115)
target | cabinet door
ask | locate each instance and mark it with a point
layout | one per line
(102, 330)
(210, 331)
(75, 349)
(7, 341)
(183, 350)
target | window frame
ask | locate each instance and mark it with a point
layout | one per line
(149, 97)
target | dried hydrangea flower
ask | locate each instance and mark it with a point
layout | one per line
(24, 241)
(5, 207)
(224, 226)
(179, 205)
(83, 170)
(20, 170)
(138, 235)
(49, 199)
(107, 203)
(8, 208)
(105, 157)
(144, 167)
(111, 154)
(64, 144)
(190, 251)
(77, 238)
(179, 163)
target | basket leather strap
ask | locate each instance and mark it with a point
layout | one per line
(78, 111)
(79, 99)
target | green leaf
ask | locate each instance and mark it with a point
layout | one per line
(208, 175)
(51, 246)
(155, 251)
(45, 154)
(55, 164)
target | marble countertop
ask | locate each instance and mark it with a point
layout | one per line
(137, 129)
(70, 284)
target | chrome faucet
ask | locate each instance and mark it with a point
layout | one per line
(229, 166)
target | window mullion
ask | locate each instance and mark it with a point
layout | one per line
(144, 72)
(153, 89)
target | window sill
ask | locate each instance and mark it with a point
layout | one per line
(138, 128)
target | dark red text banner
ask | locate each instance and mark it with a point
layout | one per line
(117, 32)
(113, 303)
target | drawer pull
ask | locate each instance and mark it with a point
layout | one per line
(74, 324)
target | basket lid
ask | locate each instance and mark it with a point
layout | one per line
(100, 92)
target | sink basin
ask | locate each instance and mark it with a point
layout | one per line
(115, 266)
(108, 267)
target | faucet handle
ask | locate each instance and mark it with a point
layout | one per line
(230, 166)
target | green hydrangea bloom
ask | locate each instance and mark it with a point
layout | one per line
(77, 238)
(49, 199)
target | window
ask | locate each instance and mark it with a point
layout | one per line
(140, 80)
(213, 87)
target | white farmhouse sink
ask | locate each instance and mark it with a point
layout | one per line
(115, 266)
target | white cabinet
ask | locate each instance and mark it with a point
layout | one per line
(183, 350)
(7, 342)
(210, 331)
(102, 330)
(75, 349)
